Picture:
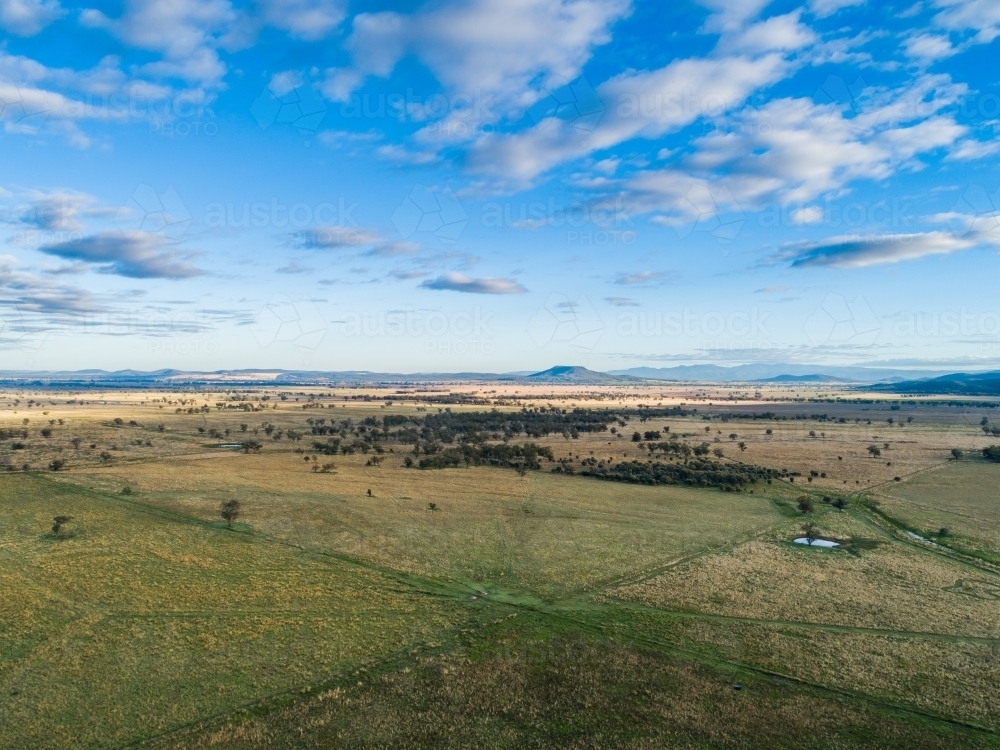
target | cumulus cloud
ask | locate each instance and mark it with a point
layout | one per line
(979, 16)
(305, 19)
(824, 8)
(637, 104)
(28, 17)
(511, 52)
(136, 255)
(459, 282)
(859, 252)
(929, 47)
(186, 33)
(806, 150)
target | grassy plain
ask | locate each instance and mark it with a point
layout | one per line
(478, 607)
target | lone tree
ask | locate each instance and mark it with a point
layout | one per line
(58, 522)
(875, 451)
(956, 453)
(805, 504)
(992, 453)
(809, 532)
(251, 446)
(230, 512)
(840, 503)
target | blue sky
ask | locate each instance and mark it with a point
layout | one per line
(498, 185)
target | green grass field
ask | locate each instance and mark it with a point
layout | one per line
(474, 607)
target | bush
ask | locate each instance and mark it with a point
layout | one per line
(695, 473)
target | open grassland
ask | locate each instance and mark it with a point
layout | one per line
(962, 497)
(544, 533)
(359, 602)
(142, 621)
(893, 586)
(527, 683)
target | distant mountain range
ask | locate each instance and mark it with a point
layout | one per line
(581, 375)
(888, 380)
(959, 384)
(776, 372)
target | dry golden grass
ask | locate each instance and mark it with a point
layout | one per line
(953, 678)
(147, 615)
(963, 497)
(891, 587)
(543, 532)
(545, 689)
(134, 622)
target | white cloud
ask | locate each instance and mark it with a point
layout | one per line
(185, 32)
(731, 15)
(807, 215)
(776, 33)
(643, 104)
(28, 17)
(929, 47)
(981, 16)
(824, 8)
(793, 150)
(305, 19)
(459, 282)
(509, 52)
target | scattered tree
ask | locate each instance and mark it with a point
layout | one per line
(809, 532)
(230, 511)
(251, 446)
(806, 504)
(956, 453)
(59, 522)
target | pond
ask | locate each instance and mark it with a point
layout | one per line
(816, 542)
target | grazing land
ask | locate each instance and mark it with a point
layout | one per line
(498, 566)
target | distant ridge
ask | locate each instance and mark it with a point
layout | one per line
(958, 384)
(571, 374)
(903, 381)
(777, 372)
(804, 379)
